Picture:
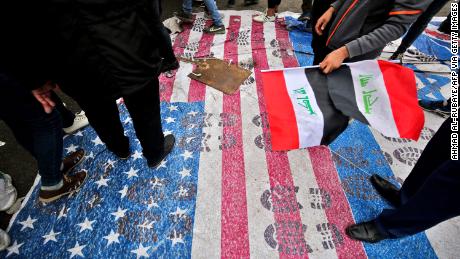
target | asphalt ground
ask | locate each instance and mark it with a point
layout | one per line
(18, 163)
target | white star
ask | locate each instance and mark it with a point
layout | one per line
(102, 182)
(132, 173)
(86, 225)
(112, 238)
(63, 212)
(78, 133)
(168, 132)
(91, 155)
(162, 163)
(14, 248)
(176, 238)
(97, 141)
(185, 172)
(123, 191)
(50, 237)
(136, 155)
(28, 223)
(127, 120)
(147, 225)
(172, 108)
(152, 204)
(182, 191)
(76, 250)
(156, 182)
(141, 251)
(71, 148)
(192, 113)
(170, 120)
(110, 163)
(187, 154)
(119, 213)
(179, 213)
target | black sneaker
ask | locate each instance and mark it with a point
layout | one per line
(215, 29)
(71, 183)
(168, 146)
(184, 17)
(438, 107)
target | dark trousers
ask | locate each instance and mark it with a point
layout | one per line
(318, 42)
(306, 5)
(166, 49)
(420, 24)
(144, 108)
(273, 3)
(66, 115)
(38, 132)
(430, 193)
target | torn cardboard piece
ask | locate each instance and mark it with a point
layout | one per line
(219, 74)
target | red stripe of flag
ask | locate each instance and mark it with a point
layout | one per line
(339, 214)
(400, 82)
(281, 115)
(197, 90)
(235, 236)
(179, 46)
(278, 165)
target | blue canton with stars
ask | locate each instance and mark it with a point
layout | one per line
(124, 209)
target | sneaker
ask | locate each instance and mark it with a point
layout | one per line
(72, 160)
(8, 193)
(184, 17)
(263, 17)
(79, 122)
(305, 16)
(441, 108)
(4, 240)
(168, 146)
(215, 29)
(71, 183)
(208, 16)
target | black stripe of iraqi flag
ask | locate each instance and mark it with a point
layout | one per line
(335, 122)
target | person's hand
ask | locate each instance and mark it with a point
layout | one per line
(43, 96)
(334, 60)
(324, 20)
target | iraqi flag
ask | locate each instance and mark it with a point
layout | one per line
(300, 111)
(307, 108)
(381, 94)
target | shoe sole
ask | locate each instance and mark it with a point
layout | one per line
(438, 112)
(62, 194)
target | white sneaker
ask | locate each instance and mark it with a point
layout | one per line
(8, 193)
(79, 122)
(4, 240)
(263, 17)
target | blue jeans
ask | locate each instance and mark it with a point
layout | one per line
(212, 8)
(38, 132)
(420, 24)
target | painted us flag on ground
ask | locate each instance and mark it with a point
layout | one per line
(223, 192)
(308, 108)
